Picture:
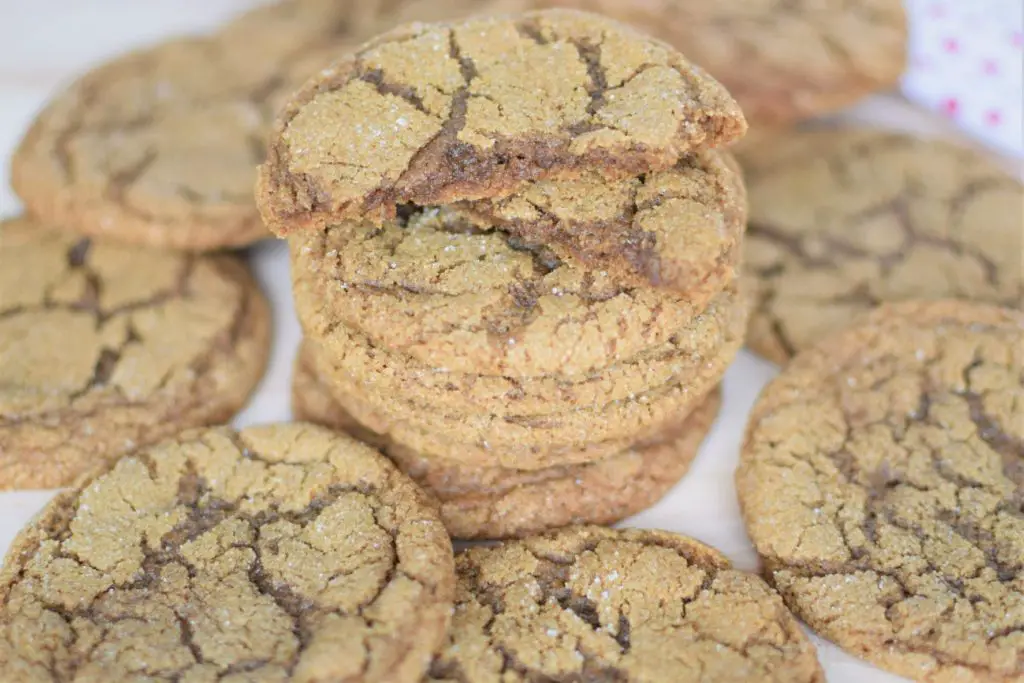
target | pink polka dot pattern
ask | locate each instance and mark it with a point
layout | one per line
(967, 63)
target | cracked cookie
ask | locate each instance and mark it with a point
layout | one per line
(496, 502)
(701, 347)
(430, 114)
(842, 220)
(782, 61)
(105, 347)
(158, 147)
(480, 301)
(574, 435)
(631, 605)
(278, 553)
(882, 483)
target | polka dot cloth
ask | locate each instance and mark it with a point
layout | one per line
(967, 62)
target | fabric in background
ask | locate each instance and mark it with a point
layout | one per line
(966, 62)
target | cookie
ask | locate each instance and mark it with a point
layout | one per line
(480, 301)
(523, 442)
(158, 147)
(596, 604)
(882, 483)
(105, 347)
(496, 502)
(703, 346)
(482, 503)
(679, 229)
(783, 62)
(633, 401)
(281, 552)
(842, 220)
(430, 114)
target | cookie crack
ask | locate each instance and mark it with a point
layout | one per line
(590, 55)
(61, 147)
(287, 600)
(467, 66)
(1009, 449)
(102, 371)
(384, 88)
(530, 31)
(187, 637)
(120, 180)
(782, 337)
(442, 142)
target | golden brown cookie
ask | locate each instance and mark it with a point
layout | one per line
(105, 347)
(480, 301)
(703, 346)
(281, 552)
(481, 438)
(782, 61)
(561, 431)
(158, 147)
(433, 113)
(882, 483)
(631, 605)
(496, 502)
(842, 220)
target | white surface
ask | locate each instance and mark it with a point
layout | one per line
(44, 43)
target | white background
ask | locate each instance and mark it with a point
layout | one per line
(44, 43)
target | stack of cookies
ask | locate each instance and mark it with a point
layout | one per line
(514, 252)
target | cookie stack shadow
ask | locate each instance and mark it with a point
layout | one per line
(530, 317)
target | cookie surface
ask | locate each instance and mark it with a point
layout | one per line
(844, 219)
(159, 147)
(104, 348)
(882, 483)
(282, 552)
(590, 603)
(496, 502)
(443, 115)
(782, 61)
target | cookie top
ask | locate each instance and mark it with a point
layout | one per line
(435, 113)
(844, 219)
(590, 603)
(158, 147)
(782, 61)
(282, 552)
(497, 502)
(679, 229)
(482, 301)
(882, 483)
(105, 347)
